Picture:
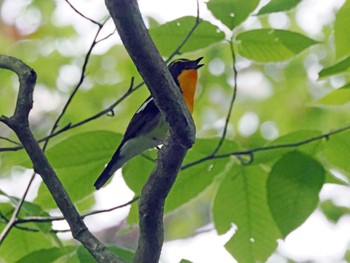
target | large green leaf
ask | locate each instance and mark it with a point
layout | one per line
(338, 97)
(47, 255)
(292, 189)
(232, 12)
(241, 200)
(278, 6)
(84, 148)
(337, 149)
(19, 243)
(78, 161)
(272, 45)
(342, 31)
(170, 35)
(340, 67)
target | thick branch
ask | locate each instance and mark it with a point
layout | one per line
(20, 124)
(133, 33)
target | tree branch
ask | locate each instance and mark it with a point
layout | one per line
(20, 125)
(133, 33)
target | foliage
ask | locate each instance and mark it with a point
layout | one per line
(263, 178)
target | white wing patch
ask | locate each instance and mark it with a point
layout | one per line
(144, 105)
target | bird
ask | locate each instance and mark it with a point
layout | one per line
(148, 127)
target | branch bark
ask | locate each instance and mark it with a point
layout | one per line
(19, 123)
(138, 43)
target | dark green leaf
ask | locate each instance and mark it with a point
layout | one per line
(340, 67)
(338, 97)
(241, 200)
(292, 189)
(272, 45)
(278, 6)
(171, 34)
(232, 12)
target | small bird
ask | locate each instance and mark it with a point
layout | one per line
(148, 128)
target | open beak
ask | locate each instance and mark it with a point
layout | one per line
(195, 63)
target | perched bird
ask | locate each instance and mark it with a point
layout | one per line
(148, 128)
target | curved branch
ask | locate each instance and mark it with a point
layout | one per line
(20, 125)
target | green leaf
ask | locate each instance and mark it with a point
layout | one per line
(170, 35)
(338, 97)
(272, 45)
(278, 6)
(332, 211)
(78, 161)
(78, 182)
(241, 200)
(84, 148)
(337, 149)
(340, 67)
(137, 170)
(124, 254)
(342, 31)
(47, 255)
(287, 140)
(292, 189)
(190, 182)
(232, 12)
(20, 243)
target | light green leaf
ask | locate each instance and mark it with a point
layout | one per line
(170, 35)
(232, 12)
(47, 255)
(20, 243)
(338, 97)
(272, 45)
(278, 6)
(342, 31)
(292, 189)
(78, 161)
(84, 148)
(78, 182)
(241, 200)
(337, 149)
(340, 67)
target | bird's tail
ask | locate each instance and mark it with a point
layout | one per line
(116, 163)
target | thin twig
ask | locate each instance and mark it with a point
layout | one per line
(82, 15)
(15, 213)
(37, 219)
(251, 152)
(80, 82)
(189, 34)
(9, 140)
(234, 93)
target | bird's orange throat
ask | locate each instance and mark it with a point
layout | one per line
(188, 82)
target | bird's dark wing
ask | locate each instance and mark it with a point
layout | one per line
(143, 121)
